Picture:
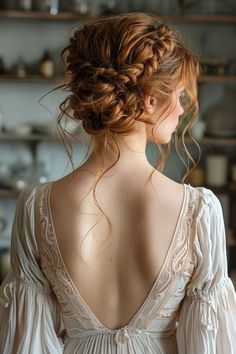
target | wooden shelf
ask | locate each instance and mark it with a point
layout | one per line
(73, 16)
(21, 137)
(38, 15)
(218, 78)
(204, 18)
(32, 79)
(218, 141)
(8, 193)
(229, 189)
(213, 141)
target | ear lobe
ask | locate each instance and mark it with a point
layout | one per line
(149, 103)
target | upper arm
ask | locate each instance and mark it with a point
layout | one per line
(27, 303)
(209, 307)
(209, 243)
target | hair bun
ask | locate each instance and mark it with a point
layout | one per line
(113, 62)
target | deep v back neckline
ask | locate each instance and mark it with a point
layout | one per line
(47, 207)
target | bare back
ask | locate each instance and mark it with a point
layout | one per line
(114, 271)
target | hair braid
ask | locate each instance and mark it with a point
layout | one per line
(112, 63)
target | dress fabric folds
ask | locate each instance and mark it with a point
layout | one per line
(190, 309)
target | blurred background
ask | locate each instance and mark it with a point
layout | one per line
(32, 34)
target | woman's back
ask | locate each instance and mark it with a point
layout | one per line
(115, 282)
(191, 306)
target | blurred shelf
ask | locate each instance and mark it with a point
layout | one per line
(8, 193)
(229, 189)
(38, 15)
(32, 79)
(219, 141)
(73, 16)
(204, 18)
(218, 78)
(29, 137)
(213, 141)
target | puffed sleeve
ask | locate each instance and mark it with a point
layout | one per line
(30, 320)
(207, 321)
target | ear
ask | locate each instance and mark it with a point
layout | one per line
(149, 103)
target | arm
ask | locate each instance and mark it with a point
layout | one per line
(207, 322)
(29, 313)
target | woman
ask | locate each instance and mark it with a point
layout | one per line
(115, 257)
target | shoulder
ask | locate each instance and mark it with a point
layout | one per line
(25, 204)
(24, 224)
(170, 187)
(29, 192)
(26, 193)
(209, 220)
(207, 201)
(209, 239)
(25, 252)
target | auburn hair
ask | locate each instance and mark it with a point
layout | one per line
(110, 65)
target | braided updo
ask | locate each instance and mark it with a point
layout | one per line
(111, 65)
(113, 62)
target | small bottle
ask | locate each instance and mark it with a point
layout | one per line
(43, 5)
(197, 177)
(216, 169)
(20, 68)
(46, 66)
(54, 7)
(25, 5)
(80, 6)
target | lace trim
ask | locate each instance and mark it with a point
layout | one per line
(56, 273)
(53, 267)
(177, 262)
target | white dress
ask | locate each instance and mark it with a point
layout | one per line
(190, 309)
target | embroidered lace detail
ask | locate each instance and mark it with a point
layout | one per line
(53, 267)
(179, 261)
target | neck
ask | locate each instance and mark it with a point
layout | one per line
(129, 151)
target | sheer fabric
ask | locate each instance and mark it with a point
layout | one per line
(191, 307)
